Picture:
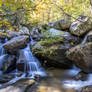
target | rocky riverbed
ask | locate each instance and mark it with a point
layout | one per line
(63, 44)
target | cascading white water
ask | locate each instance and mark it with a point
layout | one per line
(2, 51)
(31, 64)
(76, 84)
(3, 55)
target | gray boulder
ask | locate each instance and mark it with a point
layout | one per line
(22, 31)
(16, 43)
(53, 55)
(61, 24)
(53, 48)
(81, 55)
(81, 26)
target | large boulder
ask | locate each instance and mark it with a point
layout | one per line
(65, 36)
(81, 26)
(81, 55)
(22, 31)
(16, 43)
(51, 50)
(52, 55)
(61, 24)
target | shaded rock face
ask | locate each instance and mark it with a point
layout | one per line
(53, 53)
(22, 31)
(81, 55)
(61, 24)
(81, 26)
(52, 56)
(16, 43)
(9, 64)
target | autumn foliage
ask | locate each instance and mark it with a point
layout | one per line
(38, 12)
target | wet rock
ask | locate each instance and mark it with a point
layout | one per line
(21, 65)
(81, 55)
(81, 76)
(10, 64)
(81, 26)
(61, 24)
(22, 31)
(20, 86)
(87, 89)
(16, 43)
(9, 67)
(4, 60)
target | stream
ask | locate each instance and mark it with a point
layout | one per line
(26, 66)
(16, 67)
(61, 80)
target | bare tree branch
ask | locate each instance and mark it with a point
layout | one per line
(90, 2)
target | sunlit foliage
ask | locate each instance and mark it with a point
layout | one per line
(39, 12)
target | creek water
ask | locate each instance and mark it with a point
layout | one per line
(53, 80)
(30, 65)
(61, 80)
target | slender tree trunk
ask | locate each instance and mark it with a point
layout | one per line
(90, 2)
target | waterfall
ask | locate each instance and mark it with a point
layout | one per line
(32, 66)
(76, 84)
(3, 56)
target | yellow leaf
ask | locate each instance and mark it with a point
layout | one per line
(0, 3)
